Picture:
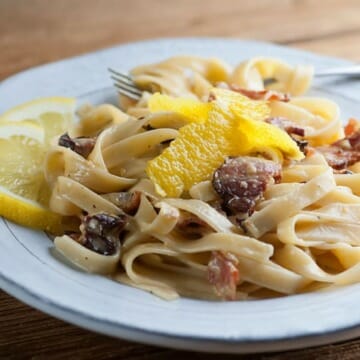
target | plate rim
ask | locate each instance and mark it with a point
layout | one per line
(175, 39)
(198, 343)
(177, 341)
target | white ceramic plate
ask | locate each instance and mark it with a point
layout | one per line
(30, 271)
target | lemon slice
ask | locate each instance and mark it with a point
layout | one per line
(29, 129)
(54, 114)
(23, 192)
(25, 133)
(21, 157)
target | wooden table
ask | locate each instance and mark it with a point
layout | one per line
(34, 32)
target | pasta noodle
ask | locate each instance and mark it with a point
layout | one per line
(302, 233)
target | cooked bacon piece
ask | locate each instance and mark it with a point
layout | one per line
(342, 153)
(127, 201)
(351, 127)
(285, 124)
(223, 274)
(335, 156)
(354, 140)
(81, 145)
(191, 225)
(267, 95)
(292, 129)
(101, 232)
(339, 158)
(302, 145)
(241, 182)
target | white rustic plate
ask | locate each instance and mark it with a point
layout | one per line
(30, 271)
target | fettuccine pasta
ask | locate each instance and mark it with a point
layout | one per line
(277, 218)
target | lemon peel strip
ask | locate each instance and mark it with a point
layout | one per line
(233, 127)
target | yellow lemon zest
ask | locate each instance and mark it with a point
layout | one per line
(230, 125)
(193, 110)
(192, 156)
(234, 105)
(255, 135)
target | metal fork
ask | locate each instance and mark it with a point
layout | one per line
(126, 86)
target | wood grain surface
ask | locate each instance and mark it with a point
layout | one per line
(34, 32)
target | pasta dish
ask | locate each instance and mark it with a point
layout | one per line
(216, 184)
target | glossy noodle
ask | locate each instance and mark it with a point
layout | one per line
(300, 235)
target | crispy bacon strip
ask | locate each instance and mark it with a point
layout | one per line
(241, 182)
(354, 140)
(267, 95)
(81, 145)
(351, 127)
(191, 225)
(295, 131)
(127, 201)
(101, 232)
(285, 124)
(343, 153)
(224, 274)
(338, 158)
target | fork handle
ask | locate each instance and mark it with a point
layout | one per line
(352, 70)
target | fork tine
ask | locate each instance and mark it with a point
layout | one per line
(124, 77)
(125, 85)
(123, 90)
(130, 85)
(129, 95)
(120, 84)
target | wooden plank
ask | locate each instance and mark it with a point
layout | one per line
(27, 333)
(33, 32)
(343, 46)
(38, 31)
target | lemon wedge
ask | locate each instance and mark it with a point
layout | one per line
(25, 133)
(54, 114)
